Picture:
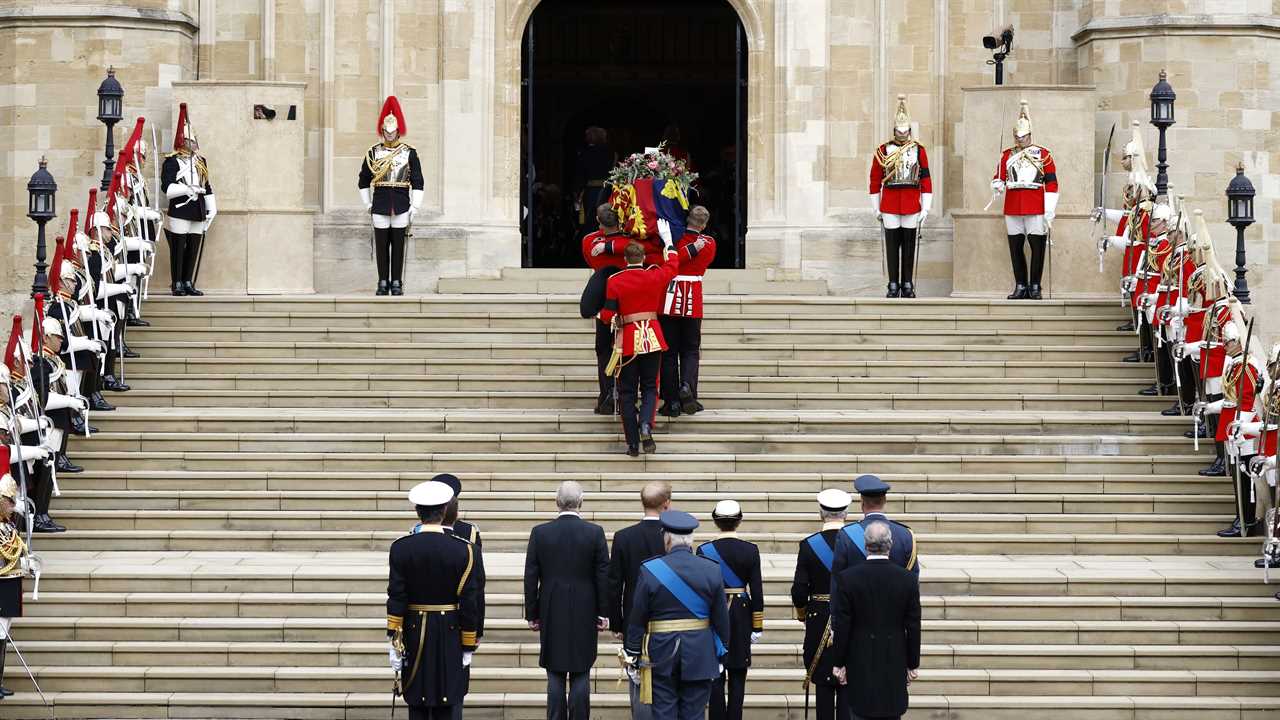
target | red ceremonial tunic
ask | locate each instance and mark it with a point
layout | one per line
(1171, 297)
(900, 199)
(1029, 200)
(1269, 442)
(1136, 244)
(635, 293)
(1246, 398)
(612, 255)
(1212, 358)
(684, 294)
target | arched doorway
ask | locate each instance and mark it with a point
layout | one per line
(640, 72)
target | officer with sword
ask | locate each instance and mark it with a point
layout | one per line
(184, 180)
(901, 196)
(1028, 178)
(1262, 469)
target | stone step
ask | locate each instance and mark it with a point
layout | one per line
(915, 354)
(770, 653)
(515, 319)
(770, 527)
(390, 445)
(746, 287)
(581, 274)
(313, 420)
(584, 364)
(356, 569)
(662, 462)
(612, 704)
(567, 303)
(630, 479)
(565, 399)
(712, 334)
(234, 616)
(383, 382)
(293, 679)
(756, 505)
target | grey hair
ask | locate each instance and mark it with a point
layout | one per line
(569, 495)
(831, 515)
(878, 538)
(674, 540)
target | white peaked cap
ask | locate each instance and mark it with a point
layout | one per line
(834, 499)
(431, 493)
(727, 508)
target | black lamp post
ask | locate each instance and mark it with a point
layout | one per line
(1240, 215)
(41, 207)
(110, 112)
(1162, 97)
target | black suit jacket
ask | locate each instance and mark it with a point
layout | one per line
(566, 571)
(632, 545)
(876, 628)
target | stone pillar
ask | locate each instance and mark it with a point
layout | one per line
(1062, 117)
(261, 240)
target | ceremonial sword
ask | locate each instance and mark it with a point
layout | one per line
(1244, 377)
(1102, 201)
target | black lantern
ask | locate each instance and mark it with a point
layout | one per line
(41, 207)
(1162, 97)
(110, 112)
(1240, 215)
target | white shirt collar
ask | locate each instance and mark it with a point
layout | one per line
(728, 534)
(877, 557)
(569, 512)
(651, 517)
(833, 525)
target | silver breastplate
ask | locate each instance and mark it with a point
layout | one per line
(398, 174)
(907, 171)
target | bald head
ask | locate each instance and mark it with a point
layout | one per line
(656, 497)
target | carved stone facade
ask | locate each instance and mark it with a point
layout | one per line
(821, 78)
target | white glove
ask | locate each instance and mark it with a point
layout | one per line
(136, 268)
(28, 452)
(926, 205)
(396, 661)
(415, 202)
(664, 232)
(210, 210)
(1050, 207)
(466, 659)
(27, 425)
(997, 186)
(177, 190)
(720, 669)
(633, 675)
(366, 198)
(58, 401)
(1213, 408)
(755, 637)
(1097, 214)
(875, 204)
(1193, 348)
(150, 214)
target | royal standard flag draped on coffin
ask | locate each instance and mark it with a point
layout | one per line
(648, 188)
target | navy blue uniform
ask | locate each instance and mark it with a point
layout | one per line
(810, 596)
(744, 594)
(683, 663)
(902, 554)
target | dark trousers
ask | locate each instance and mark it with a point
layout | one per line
(684, 352)
(1164, 367)
(604, 350)
(1018, 257)
(388, 246)
(900, 252)
(639, 377)
(829, 701)
(730, 708)
(442, 712)
(573, 705)
(676, 699)
(1187, 376)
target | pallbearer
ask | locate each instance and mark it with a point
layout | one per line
(901, 196)
(184, 180)
(1028, 178)
(432, 616)
(681, 321)
(391, 187)
(739, 562)
(810, 596)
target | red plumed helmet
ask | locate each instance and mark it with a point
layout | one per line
(37, 326)
(392, 108)
(88, 214)
(11, 359)
(184, 126)
(55, 267)
(71, 223)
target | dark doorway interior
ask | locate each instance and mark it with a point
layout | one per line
(635, 70)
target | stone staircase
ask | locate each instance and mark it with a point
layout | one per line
(228, 544)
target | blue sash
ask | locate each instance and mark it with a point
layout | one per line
(856, 534)
(822, 550)
(731, 578)
(691, 600)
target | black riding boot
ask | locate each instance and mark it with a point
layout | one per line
(1018, 259)
(4, 647)
(397, 260)
(189, 261)
(1038, 244)
(177, 249)
(908, 239)
(382, 255)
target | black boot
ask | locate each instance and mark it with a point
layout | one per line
(64, 464)
(646, 439)
(1217, 469)
(893, 291)
(383, 289)
(109, 382)
(605, 406)
(1133, 357)
(397, 260)
(1201, 431)
(908, 290)
(177, 249)
(78, 428)
(126, 351)
(1173, 411)
(99, 403)
(4, 647)
(397, 288)
(1254, 529)
(1019, 292)
(1271, 561)
(1231, 532)
(45, 524)
(189, 264)
(1033, 292)
(382, 255)
(1149, 391)
(670, 409)
(1127, 327)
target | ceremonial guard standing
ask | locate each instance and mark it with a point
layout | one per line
(1242, 379)
(1029, 180)
(13, 563)
(184, 180)
(739, 563)
(811, 595)
(471, 533)
(1150, 270)
(391, 187)
(602, 251)
(110, 296)
(679, 625)
(1132, 227)
(432, 616)
(632, 299)
(1263, 468)
(901, 196)
(681, 322)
